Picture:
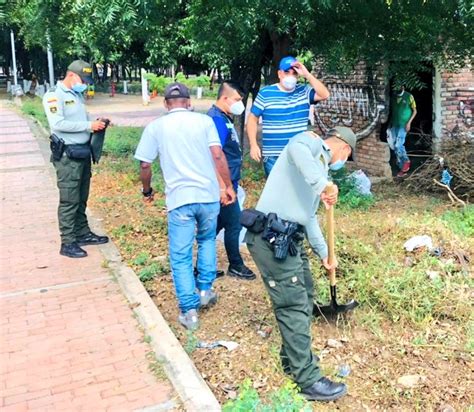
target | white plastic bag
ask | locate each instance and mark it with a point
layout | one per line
(362, 182)
(418, 241)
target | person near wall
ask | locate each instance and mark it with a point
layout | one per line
(70, 137)
(403, 111)
(301, 173)
(228, 104)
(284, 109)
(191, 156)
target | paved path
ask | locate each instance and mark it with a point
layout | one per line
(128, 110)
(68, 340)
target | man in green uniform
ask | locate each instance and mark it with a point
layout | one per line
(403, 112)
(68, 120)
(301, 173)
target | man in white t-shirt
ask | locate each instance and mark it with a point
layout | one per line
(190, 156)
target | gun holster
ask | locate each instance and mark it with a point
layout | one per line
(57, 147)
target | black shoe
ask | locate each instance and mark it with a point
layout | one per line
(72, 250)
(219, 273)
(92, 239)
(242, 273)
(324, 390)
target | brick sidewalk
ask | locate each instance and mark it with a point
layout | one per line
(69, 341)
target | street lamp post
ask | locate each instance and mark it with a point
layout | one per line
(50, 61)
(15, 78)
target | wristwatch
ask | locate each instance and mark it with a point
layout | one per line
(148, 193)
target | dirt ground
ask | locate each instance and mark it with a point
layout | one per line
(379, 349)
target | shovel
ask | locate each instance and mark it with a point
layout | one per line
(333, 309)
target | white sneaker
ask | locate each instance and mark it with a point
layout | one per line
(189, 319)
(207, 298)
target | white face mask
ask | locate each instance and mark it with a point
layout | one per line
(237, 108)
(289, 82)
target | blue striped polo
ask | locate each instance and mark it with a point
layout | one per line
(284, 114)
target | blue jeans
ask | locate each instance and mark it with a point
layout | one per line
(268, 163)
(399, 134)
(182, 223)
(229, 220)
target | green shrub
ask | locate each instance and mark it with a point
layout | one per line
(349, 196)
(286, 399)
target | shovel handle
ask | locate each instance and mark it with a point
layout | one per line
(330, 189)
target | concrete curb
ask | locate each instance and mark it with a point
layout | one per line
(185, 378)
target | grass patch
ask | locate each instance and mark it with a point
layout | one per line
(121, 141)
(460, 221)
(33, 106)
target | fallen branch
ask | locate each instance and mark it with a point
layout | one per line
(451, 195)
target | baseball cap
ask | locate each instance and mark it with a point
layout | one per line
(82, 69)
(345, 134)
(286, 63)
(176, 91)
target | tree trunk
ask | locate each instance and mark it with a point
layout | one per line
(280, 48)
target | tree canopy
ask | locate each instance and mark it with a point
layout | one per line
(244, 38)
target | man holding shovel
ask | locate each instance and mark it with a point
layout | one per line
(301, 172)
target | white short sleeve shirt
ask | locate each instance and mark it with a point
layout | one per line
(182, 140)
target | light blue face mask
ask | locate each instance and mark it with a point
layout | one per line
(79, 88)
(337, 165)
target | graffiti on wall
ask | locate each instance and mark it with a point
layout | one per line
(465, 112)
(347, 103)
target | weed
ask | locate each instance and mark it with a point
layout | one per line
(141, 259)
(104, 264)
(286, 399)
(191, 342)
(147, 339)
(252, 170)
(122, 231)
(149, 272)
(156, 366)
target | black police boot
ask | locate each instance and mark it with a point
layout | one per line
(91, 239)
(242, 272)
(324, 390)
(219, 273)
(72, 250)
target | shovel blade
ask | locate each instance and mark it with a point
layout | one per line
(333, 309)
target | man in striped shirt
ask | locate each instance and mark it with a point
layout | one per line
(284, 108)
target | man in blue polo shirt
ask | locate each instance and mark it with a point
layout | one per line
(229, 103)
(284, 108)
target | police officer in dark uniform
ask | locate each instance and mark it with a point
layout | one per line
(229, 103)
(70, 136)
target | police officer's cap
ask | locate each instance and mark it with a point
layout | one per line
(82, 69)
(346, 135)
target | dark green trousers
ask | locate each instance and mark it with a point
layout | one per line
(290, 286)
(73, 179)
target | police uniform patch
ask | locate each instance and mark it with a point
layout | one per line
(69, 102)
(53, 109)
